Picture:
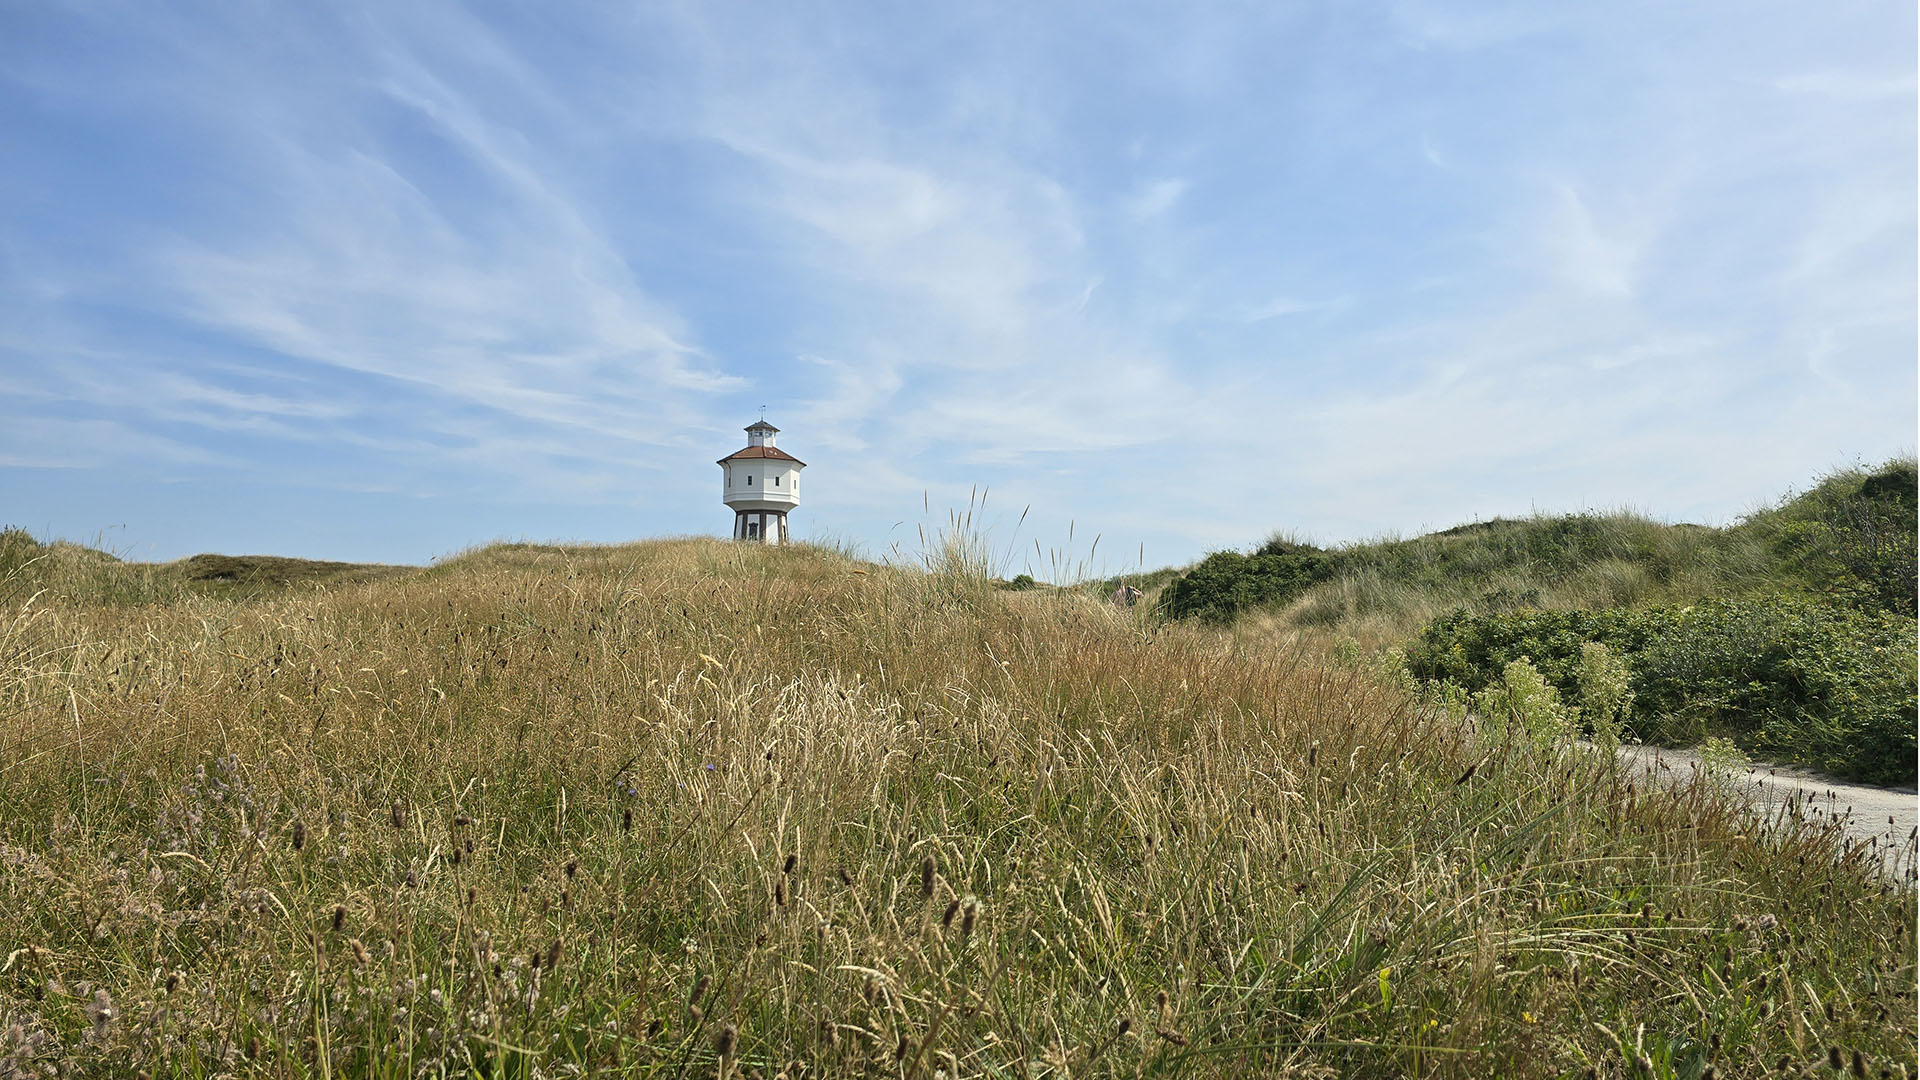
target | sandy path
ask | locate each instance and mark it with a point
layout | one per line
(1885, 818)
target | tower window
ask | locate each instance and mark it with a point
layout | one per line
(749, 479)
(776, 481)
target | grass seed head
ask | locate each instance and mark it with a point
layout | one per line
(927, 877)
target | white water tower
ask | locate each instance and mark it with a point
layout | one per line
(761, 483)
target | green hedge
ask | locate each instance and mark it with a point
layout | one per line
(1784, 678)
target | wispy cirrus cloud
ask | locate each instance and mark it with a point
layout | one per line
(1198, 275)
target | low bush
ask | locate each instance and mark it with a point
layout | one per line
(1789, 679)
(1227, 582)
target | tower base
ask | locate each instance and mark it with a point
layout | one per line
(763, 526)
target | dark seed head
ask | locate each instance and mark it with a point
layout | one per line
(792, 861)
(399, 814)
(952, 910)
(573, 868)
(926, 876)
(1833, 1059)
(967, 918)
(299, 835)
(723, 1042)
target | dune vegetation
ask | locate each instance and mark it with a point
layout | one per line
(1790, 632)
(692, 808)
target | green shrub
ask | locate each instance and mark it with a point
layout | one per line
(1226, 582)
(1473, 650)
(1786, 678)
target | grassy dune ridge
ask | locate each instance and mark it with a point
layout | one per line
(1849, 539)
(699, 808)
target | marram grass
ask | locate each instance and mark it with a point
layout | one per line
(699, 809)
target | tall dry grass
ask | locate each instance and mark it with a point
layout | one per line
(698, 808)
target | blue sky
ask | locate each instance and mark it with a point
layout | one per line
(387, 280)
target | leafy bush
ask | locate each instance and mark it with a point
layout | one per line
(1227, 582)
(1786, 678)
(1473, 649)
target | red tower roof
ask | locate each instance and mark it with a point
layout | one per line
(761, 452)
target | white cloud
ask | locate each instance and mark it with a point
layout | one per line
(1155, 198)
(1851, 86)
(1599, 260)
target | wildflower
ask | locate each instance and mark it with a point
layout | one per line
(101, 1013)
